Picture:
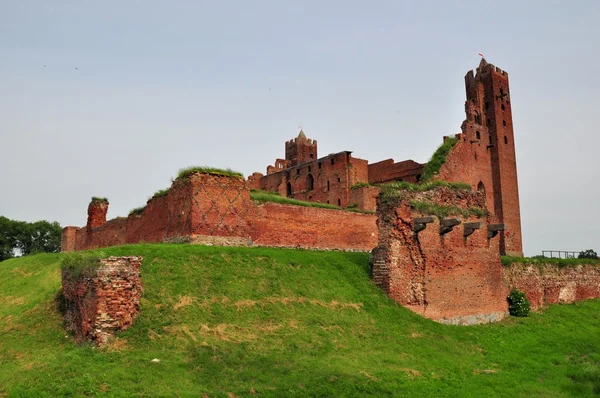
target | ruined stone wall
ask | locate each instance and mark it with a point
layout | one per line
(277, 225)
(387, 170)
(446, 272)
(550, 284)
(104, 300)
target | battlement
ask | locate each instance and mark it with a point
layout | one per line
(297, 140)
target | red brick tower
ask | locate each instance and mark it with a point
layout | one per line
(300, 150)
(489, 119)
(97, 210)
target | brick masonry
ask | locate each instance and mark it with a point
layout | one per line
(447, 277)
(102, 300)
(550, 284)
(484, 156)
(213, 209)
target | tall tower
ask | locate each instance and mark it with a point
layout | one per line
(489, 120)
(300, 150)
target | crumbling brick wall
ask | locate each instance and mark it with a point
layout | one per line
(451, 274)
(550, 284)
(102, 300)
(215, 209)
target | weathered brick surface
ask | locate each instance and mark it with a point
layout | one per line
(68, 239)
(97, 210)
(364, 197)
(279, 225)
(218, 210)
(387, 170)
(325, 180)
(550, 284)
(487, 147)
(103, 300)
(449, 278)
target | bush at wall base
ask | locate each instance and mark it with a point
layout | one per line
(518, 305)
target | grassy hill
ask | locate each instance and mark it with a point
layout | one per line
(272, 322)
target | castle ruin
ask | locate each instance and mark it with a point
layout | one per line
(435, 249)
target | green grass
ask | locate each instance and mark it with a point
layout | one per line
(442, 211)
(433, 166)
(160, 193)
(280, 323)
(265, 196)
(137, 210)
(188, 171)
(561, 262)
(80, 262)
(97, 199)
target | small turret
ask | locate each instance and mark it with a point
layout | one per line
(300, 150)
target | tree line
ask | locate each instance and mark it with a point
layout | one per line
(23, 238)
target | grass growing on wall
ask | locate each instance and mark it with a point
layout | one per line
(433, 166)
(442, 211)
(98, 199)
(274, 322)
(137, 211)
(265, 196)
(188, 171)
(80, 262)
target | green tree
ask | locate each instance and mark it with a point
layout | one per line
(588, 254)
(27, 238)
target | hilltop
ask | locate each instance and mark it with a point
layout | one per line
(277, 322)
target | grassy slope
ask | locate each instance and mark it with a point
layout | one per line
(281, 323)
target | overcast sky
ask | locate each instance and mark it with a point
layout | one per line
(111, 98)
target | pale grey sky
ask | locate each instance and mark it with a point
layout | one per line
(112, 98)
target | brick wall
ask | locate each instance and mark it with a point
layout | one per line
(102, 300)
(364, 197)
(449, 277)
(387, 170)
(218, 210)
(279, 225)
(550, 284)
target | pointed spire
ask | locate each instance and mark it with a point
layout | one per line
(483, 63)
(301, 135)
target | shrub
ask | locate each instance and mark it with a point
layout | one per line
(78, 263)
(518, 304)
(588, 254)
(98, 199)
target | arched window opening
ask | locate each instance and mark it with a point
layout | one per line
(481, 187)
(310, 182)
(289, 189)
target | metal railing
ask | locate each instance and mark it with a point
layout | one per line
(560, 254)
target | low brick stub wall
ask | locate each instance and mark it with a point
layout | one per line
(550, 284)
(450, 278)
(102, 300)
